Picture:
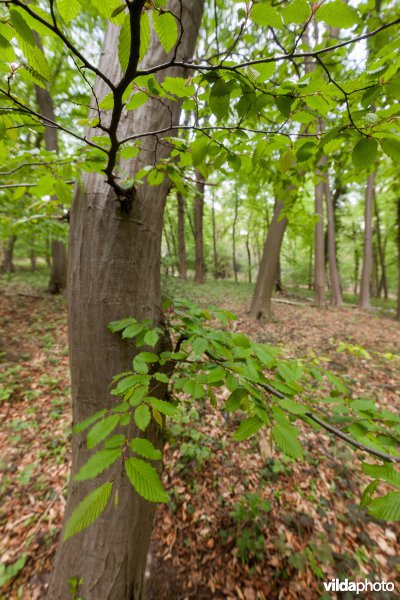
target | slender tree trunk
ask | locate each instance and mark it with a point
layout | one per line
(58, 274)
(319, 245)
(114, 272)
(336, 290)
(235, 216)
(7, 264)
(364, 301)
(198, 231)
(398, 259)
(310, 268)
(383, 284)
(214, 239)
(174, 245)
(261, 302)
(32, 254)
(375, 273)
(169, 262)
(248, 256)
(181, 237)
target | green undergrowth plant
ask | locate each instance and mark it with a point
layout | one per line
(266, 391)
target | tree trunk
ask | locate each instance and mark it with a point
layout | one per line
(214, 238)
(181, 238)
(336, 290)
(58, 274)
(114, 272)
(169, 262)
(235, 216)
(248, 255)
(398, 259)
(356, 260)
(364, 301)
(198, 231)
(383, 284)
(261, 302)
(319, 245)
(7, 264)
(278, 281)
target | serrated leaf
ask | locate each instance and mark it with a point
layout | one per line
(293, 407)
(88, 510)
(166, 28)
(297, 12)
(385, 472)
(287, 440)
(101, 430)
(166, 408)
(115, 441)
(367, 494)
(386, 508)
(338, 14)
(235, 399)
(266, 15)
(142, 417)
(151, 338)
(364, 153)
(99, 462)
(178, 86)
(247, 428)
(219, 98)
(69, 9)
(22, 28)
(391, 147)
(199, 150)
(144, 478)
(82, 425)
(145, 448)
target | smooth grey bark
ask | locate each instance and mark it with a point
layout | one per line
(235, 217)
(214, 239)
(198, 209)
(383, 282)
(319, 244)
(249, 267)
(182, 268)
(114, 272)
(356, 260)
(7, 264)
(336, 289)
(364, 301)
(58, 273)
(261, 301)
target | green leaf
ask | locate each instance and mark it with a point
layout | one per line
(199, 345)
(391, 147)
(22, 29)
(151, 338)
(178, 86)
(385, 472)
(293, 407)
(107, 102)
(124, 44)
(199, 150)
(138, 99)
(220, 98)
(69, 9)
(115, 441)
(364, 153)
(284, 104)
(367, 494)
(98, 463)
(297, 12)
(265, 70)
(142, 417)
(247, 428)
(166, 408)
(386, 508)
(144, 478)
(148, 357)
(338, 14)
(145, 448)
(82, 425)
(101, 430)
(235, 399)
(286, 439)
(144, 35)
(166, 29)
(88, 510)
(266, 15)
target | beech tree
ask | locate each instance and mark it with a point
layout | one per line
(129, 157)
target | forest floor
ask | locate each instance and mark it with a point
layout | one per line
(237, 526)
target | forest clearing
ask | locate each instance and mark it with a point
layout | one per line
(199, 299)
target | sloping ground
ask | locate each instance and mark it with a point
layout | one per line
(236, 527)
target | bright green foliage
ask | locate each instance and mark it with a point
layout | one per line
(88, 510)
(267, 390)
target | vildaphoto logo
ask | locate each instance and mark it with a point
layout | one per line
(335, 585)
